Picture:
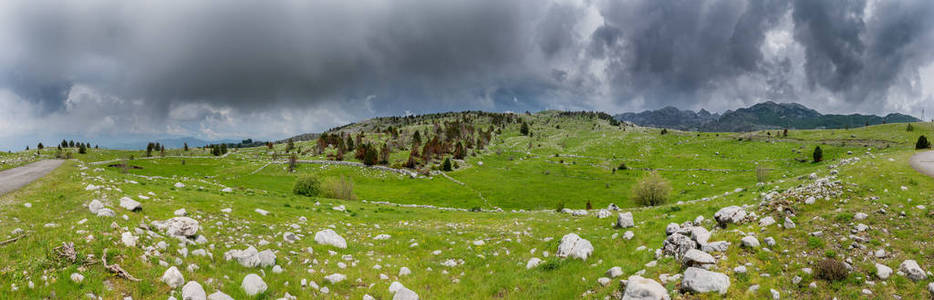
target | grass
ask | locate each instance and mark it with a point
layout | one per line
(512, 177)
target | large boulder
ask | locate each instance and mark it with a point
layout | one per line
(730, 214)
(574, 246)
(912, 270)
(130, 204)
(698, 280)
(639, 288)
(329, 237)
(678, 244)
(193, 291)
(624, 220)
(252, 285)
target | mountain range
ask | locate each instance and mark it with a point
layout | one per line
(765, 115)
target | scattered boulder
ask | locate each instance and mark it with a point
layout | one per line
(218, 295)
(678, 244)
(700, 234)
(128, 239)
(95, 206)
(329, 237)
(672, 228)
(766, 221)
(730, 214)
(400, 292)
(106, 212)
(574, 246)
(193, 291)
(624, 220)
(883, 271)
(614, 272)
(719, 246)
(130, 204)
(698, 280)
(335, 278)
(639, 288)
(750, 242)
(697, 258)
(912, 270)
(173, 278)
(533, 262)
(253, 284)
(182, 227)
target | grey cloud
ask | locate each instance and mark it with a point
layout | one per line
(232, 60)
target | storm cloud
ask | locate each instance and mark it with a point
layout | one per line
(269, 69)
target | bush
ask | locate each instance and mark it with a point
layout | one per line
(652, 190)
(818, 154)
(922, 143)
(664, 131)
(589, 205)
(338, 188)
(308, 186)
(909, 128)
(831, 270)
(622, 166)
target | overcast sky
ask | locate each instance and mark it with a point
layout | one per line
(106, 70)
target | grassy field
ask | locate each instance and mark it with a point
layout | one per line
(526, 182)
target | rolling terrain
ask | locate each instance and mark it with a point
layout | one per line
(491, 227)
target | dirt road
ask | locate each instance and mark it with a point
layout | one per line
(15, 178)
(924, 162)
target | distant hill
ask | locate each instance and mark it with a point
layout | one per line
(171, 143)
(766, 115)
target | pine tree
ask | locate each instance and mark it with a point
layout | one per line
(524, 129)
(290, 145)
(82, 149)
(40, 146)
(446, 166)
(818, 154)
(149, 148)
(186, 147)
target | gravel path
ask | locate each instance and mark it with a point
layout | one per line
(15, 178)
(924, 162)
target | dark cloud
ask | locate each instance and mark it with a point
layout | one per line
(238, 61)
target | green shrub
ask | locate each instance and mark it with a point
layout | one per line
(818, 154)
(922, 143)
(338, 188)
(652, 190)
(831, 270)
(909, 128)
(308, 186)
